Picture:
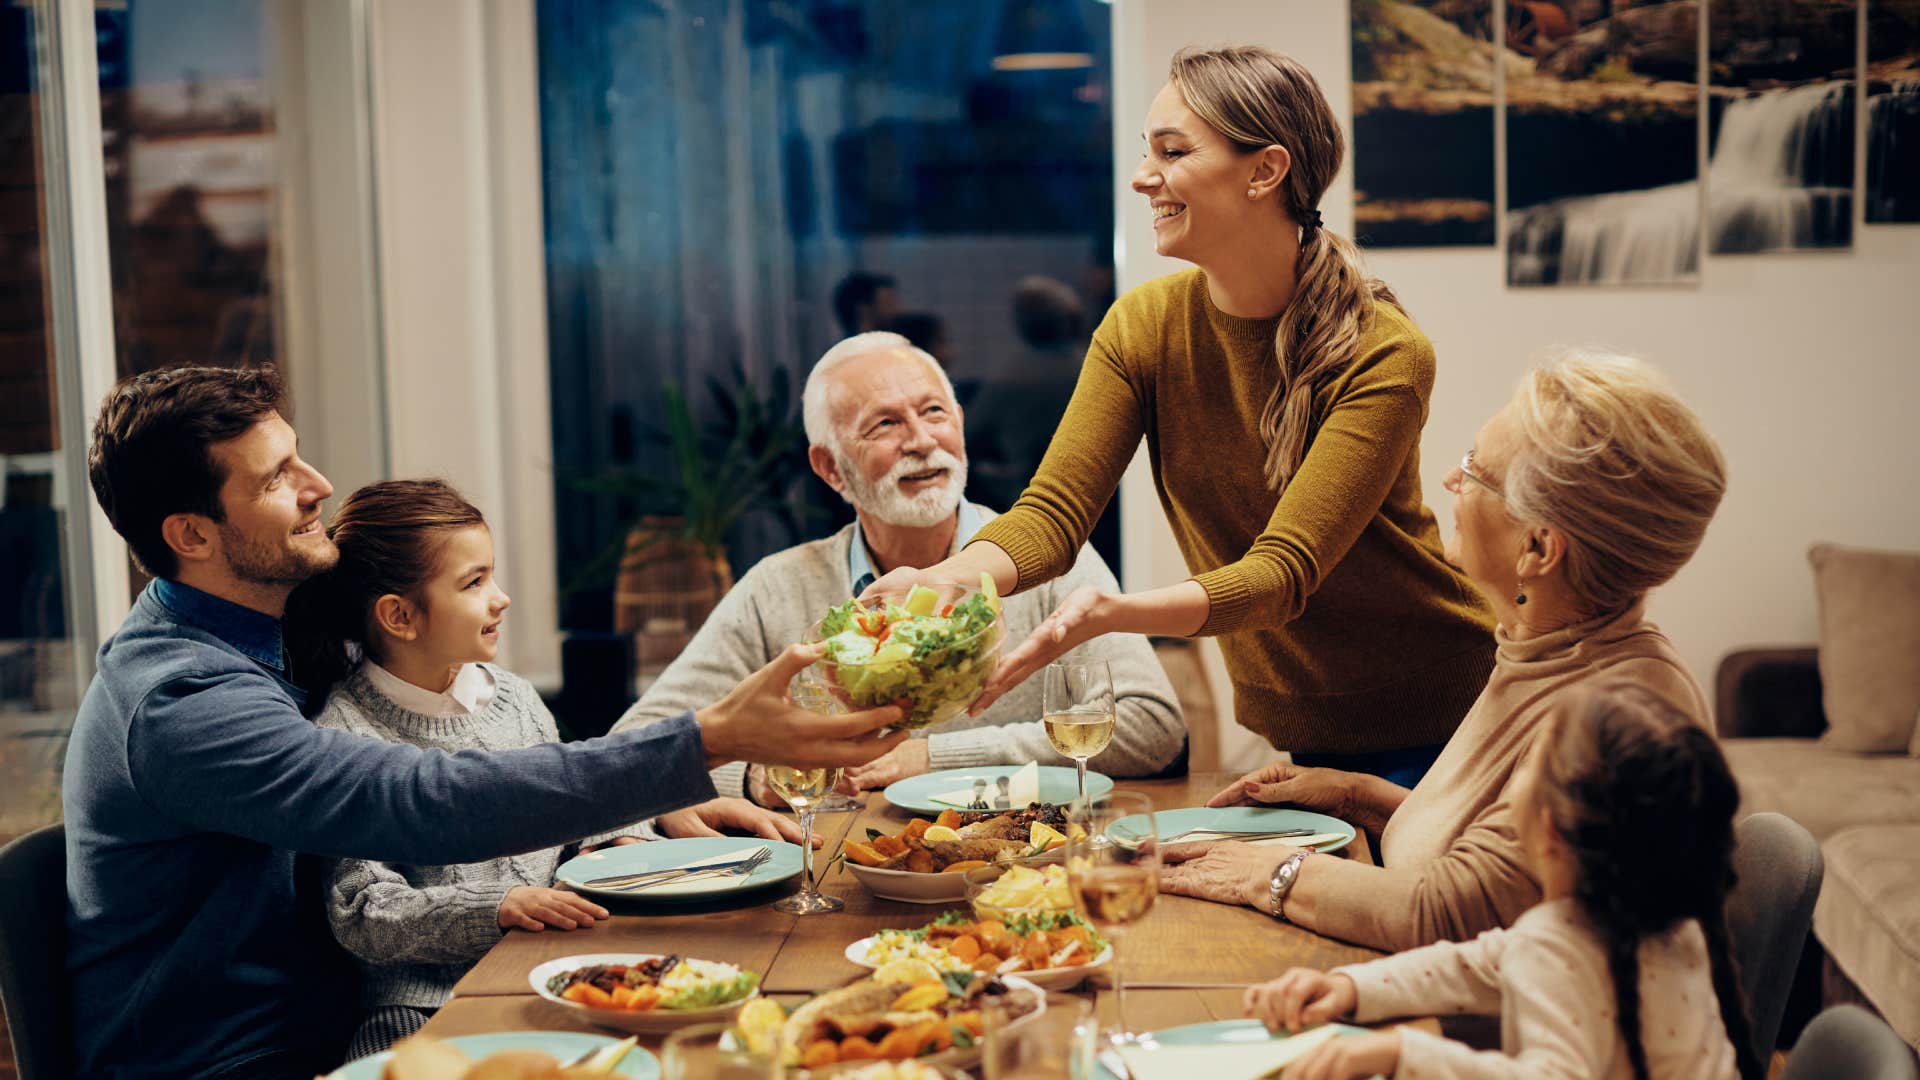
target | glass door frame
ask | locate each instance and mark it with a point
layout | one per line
(80, 308)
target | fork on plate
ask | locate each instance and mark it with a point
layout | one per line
(637, 882)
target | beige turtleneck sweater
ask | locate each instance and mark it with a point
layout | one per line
(1451, 865)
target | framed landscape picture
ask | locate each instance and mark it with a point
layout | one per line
(1893, 111)
(1781, 119)
(1603, 177)
(1423, 98)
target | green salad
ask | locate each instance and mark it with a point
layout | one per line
(932, 663)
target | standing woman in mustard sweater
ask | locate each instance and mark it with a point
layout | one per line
(1281, 392)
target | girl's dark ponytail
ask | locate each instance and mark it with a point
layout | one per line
(321, 629)
(389, 535)
(1733, 999)
(1644, 801)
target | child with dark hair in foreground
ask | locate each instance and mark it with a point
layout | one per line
(1621, 971)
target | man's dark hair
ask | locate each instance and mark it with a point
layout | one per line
(1047, 313)
(854, 292)
(152, 453)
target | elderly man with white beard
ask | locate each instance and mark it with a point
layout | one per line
(886, 433)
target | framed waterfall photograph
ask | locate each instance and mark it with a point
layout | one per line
(1603, 143)
(1781, 112)
(1893, 112)
(1423, 158)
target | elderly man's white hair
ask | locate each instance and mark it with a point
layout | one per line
(813, 400)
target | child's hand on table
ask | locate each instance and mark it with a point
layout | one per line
(1301, 998)
(531, 907)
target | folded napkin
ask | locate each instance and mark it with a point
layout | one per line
(1222, 1061)
(1023, 787)
(1201, 837)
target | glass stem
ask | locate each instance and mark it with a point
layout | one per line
(1080, 766)
(806, 850)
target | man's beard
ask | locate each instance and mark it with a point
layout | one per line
(261, 563)
(884, 499)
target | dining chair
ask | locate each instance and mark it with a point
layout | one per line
(1778, 866)
(1848, 1041)
(33, 951)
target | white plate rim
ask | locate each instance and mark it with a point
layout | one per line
(856, 952)
(546, 970)
(711, 887)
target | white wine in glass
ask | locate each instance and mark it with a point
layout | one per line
(1077, 709)
(1113, 871)
(803, 789)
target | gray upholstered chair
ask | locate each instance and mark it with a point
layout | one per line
(33, 951)
(1768, 915)
(1847, 1042)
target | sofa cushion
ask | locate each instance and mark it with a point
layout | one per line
(1824, 789)
(1869, 637)
(1868, 917)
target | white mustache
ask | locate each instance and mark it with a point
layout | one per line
(908, 466)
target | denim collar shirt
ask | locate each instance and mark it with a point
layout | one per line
(860, 568)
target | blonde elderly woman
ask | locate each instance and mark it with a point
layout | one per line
(1592, 486)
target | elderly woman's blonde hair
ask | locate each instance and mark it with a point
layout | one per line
(1609, 455)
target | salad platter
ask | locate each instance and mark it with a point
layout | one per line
(930, 659)
(1053, 952)
(925, 862)
(644, 992)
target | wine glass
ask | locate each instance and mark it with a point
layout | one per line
(802, 788)
(1077, 708)
(1113, 871)
(715, 1052)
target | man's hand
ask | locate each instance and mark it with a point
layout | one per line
(1350, 1057)
(1223, 871)
(1080, 617)
(910, 758)
(1301, 998)
(757, 721)
(532, 907)
(709, 818)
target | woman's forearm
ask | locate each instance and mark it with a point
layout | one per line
(965, 567)
(1170, 611)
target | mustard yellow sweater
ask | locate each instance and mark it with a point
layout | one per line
(1342, 626)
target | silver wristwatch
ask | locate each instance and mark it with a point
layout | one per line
(1284, 876)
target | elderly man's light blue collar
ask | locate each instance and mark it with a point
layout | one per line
(249, 631)
(860, 568)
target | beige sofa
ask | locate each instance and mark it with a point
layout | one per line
(1828, 737)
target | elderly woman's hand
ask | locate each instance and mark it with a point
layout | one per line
(1326, 790)
(1223, 871)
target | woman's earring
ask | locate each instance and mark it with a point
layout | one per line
(1520, 597)
(1252, 194)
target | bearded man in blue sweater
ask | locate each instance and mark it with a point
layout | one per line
(194, 784)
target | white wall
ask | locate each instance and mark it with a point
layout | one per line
(1805, 367)
(463, 283)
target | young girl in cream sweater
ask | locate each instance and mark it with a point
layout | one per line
(1622, 970)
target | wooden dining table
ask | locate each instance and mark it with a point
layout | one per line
(1188, 961)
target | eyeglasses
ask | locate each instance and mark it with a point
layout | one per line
(1466, 470)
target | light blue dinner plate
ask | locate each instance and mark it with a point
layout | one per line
(1220, 1033)
(1251, 819)
(1057, 786)
(564, 1045)
(668, 854)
